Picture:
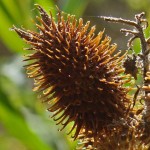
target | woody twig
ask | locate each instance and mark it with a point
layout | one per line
(138, 32)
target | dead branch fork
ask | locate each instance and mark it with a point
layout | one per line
(138, 32)
(139, 25)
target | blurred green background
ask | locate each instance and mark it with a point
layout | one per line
(24, 122)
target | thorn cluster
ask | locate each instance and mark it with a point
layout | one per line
(77, 73)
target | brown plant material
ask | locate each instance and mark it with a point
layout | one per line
(77, 73)
(130, 66)
(114, 142)
(126, 134)
(146, 124)
(143, 90)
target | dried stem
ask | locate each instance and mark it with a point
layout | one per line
(137, 24)
(138, 32)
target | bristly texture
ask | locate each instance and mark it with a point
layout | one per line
(146, 122)
(125, 135)
(77, 73)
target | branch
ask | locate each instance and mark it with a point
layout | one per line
(138, 32)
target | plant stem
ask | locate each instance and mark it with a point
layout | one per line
(138, 32)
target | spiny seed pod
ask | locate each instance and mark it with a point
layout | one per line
(77, 73)
(126, 135)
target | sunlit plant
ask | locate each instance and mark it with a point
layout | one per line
(81, 78)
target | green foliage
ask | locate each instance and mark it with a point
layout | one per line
(75, 7)
(18, 13)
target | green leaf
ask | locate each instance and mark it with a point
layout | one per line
(16, 125)
(18, 13)
(10, 15)
(47, 5)
(11, 10)
(9, 38)
(76, 7)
